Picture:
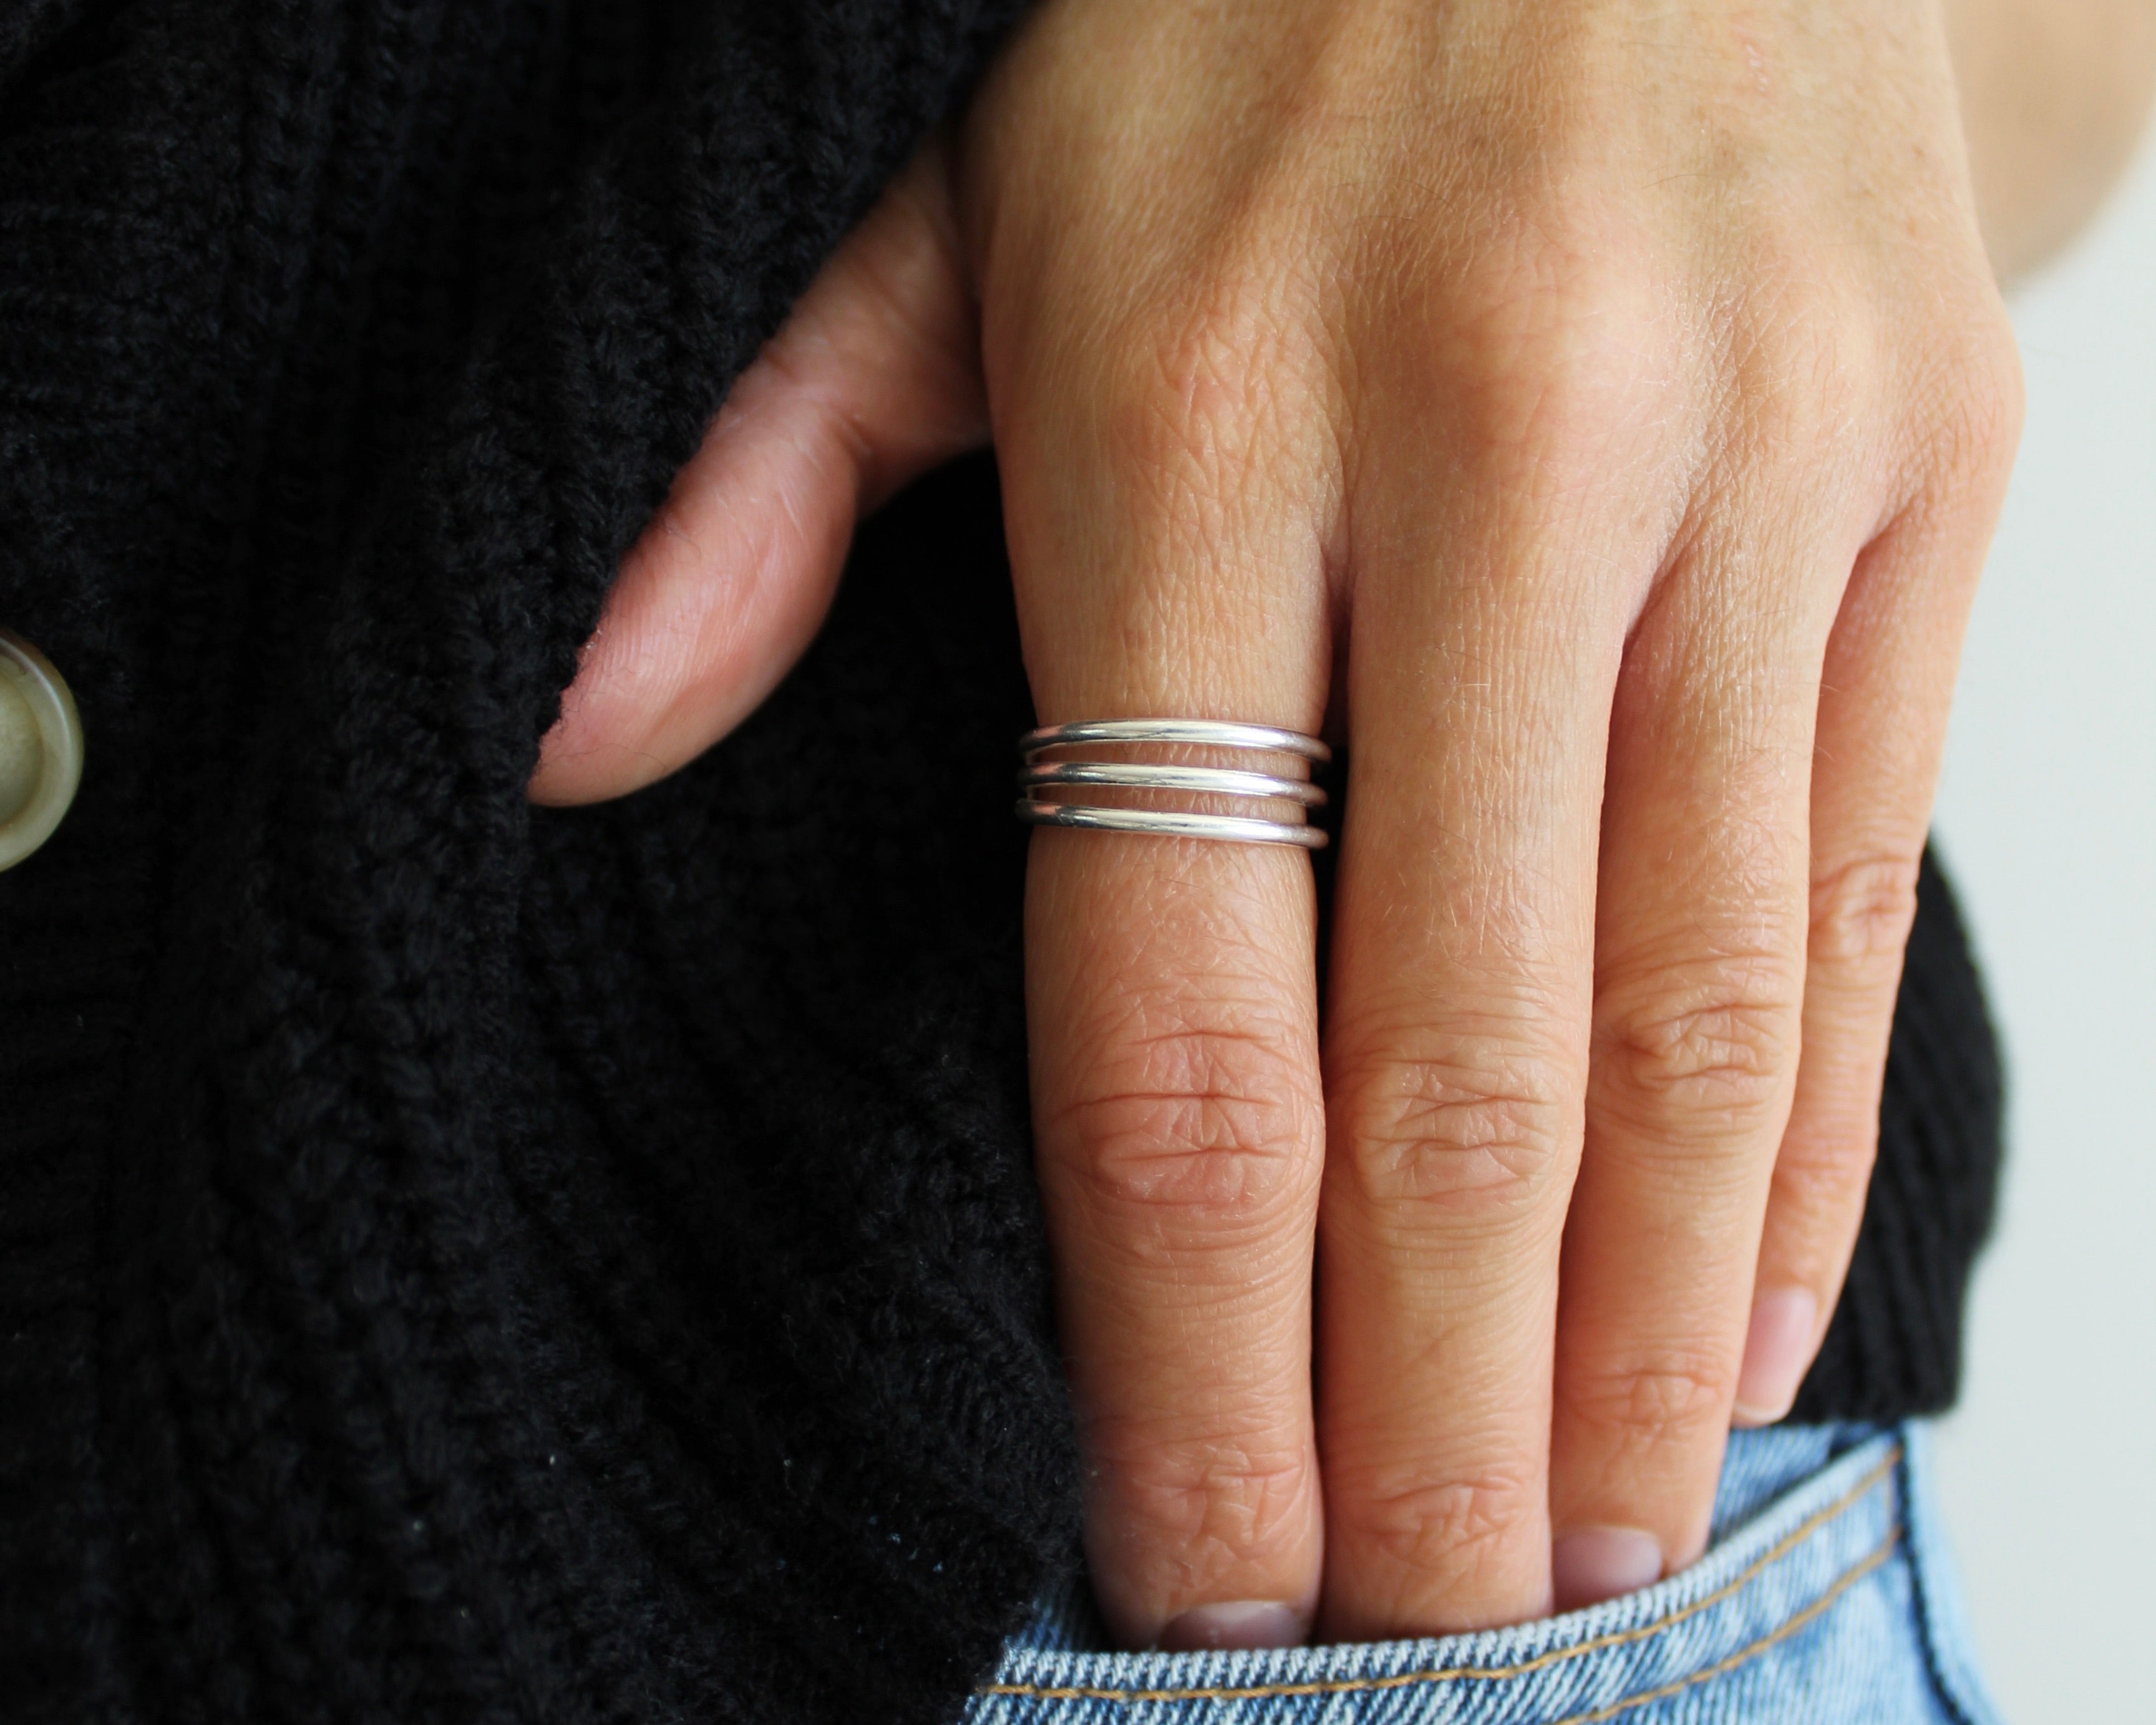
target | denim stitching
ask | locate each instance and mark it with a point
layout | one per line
(1721, 1668)
(1618, 1638)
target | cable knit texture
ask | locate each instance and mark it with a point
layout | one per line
(463, 1262)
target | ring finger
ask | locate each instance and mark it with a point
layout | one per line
(1699, 982)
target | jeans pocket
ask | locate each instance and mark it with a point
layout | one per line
(1807, 1606)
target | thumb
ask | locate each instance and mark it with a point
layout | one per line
(873, 378)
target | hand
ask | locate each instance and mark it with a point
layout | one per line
(1620, 397)
(1605, 414)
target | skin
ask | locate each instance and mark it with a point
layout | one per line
(1595, 416)
(2054, 98)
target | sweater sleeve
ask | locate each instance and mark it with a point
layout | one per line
(415, 1301)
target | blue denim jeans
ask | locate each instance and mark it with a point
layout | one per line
(1824, 1596)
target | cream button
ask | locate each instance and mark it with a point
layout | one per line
(40, 749)
(21, 752)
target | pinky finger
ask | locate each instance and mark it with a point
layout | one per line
(1888, 681)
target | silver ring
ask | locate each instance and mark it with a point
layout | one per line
(1235, 827)
(1068, 775)
(1214, 781)
(1219, 733)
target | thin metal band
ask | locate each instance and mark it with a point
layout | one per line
(1233, 827)
(1219, 733)
(1215, 780)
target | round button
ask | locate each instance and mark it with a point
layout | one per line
(40, 749)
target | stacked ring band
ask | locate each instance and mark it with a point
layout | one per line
(1077, 776)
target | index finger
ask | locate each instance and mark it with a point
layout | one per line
(1167, 564)
(1171, 1009)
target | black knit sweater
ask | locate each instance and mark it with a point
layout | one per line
(463, 1262)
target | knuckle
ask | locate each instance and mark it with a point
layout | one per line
(1981, 395)
(1821, 1182)
(1217, 1502)
(1197, 387)
(1457, 1529)
(1679, 1399)
(1207, 388)
(1962, 386)
(1204, 1127)
(1715, 1037)
(1862, 911)
(1475, 1139)
(1806, 365)
(1552, 343)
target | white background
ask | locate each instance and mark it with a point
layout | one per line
(2047, 820)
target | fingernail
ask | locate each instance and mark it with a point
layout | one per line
(1235, 1623)
(1777, 1349)
(1597, 1563)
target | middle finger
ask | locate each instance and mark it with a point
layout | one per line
(1487, 635)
